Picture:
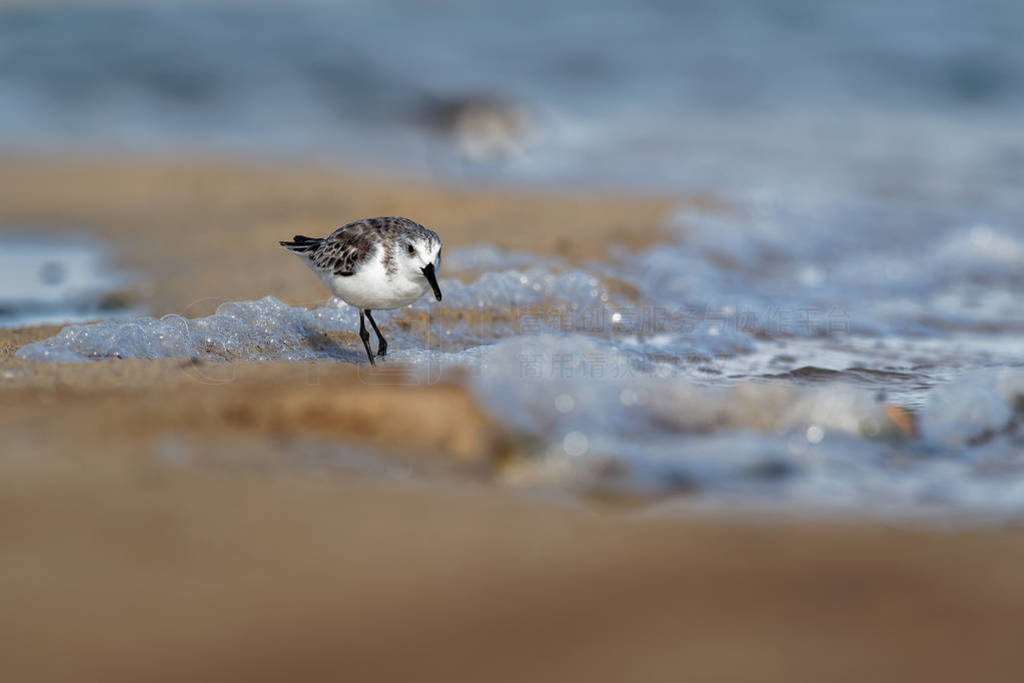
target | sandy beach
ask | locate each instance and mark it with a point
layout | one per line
(203, 232)
(167, 520)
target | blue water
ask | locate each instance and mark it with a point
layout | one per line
(872, 153)
(917, 98)
(57, 279)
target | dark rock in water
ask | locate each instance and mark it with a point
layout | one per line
(976, 79)
(116, 301)
(772, 470)
(679, 482)
(52, 273)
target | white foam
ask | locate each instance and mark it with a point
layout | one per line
(624, 401)
(258, 330)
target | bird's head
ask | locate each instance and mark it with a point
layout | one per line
(419, 258)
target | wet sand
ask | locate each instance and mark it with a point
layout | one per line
(203, 232)
(162, 520)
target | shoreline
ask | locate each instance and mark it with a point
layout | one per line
(207, 230)
(164, 520)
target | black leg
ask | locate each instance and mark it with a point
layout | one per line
(382, 343)
(365, 336)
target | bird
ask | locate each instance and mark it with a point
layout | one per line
(373, 264)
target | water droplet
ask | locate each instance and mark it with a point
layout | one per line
(564, 403)
(575, 444)
(815, 434)
(811, 276)
(981, 235)
(895, 270)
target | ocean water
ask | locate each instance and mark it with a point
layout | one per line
(917, 98)
(847, 336)
(57, 280)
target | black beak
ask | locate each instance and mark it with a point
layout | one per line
(428, 272)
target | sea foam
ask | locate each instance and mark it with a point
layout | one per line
(658, 387)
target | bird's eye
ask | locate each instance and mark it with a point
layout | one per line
(411, 249)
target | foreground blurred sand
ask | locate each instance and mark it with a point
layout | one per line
(168, 521)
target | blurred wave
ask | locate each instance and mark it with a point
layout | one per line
(911, 98)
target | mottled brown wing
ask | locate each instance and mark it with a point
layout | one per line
(343, 251)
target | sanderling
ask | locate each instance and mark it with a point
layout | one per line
(374, 263)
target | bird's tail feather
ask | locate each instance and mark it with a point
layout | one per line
(302, 245)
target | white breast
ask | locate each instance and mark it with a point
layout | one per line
(371, 288)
